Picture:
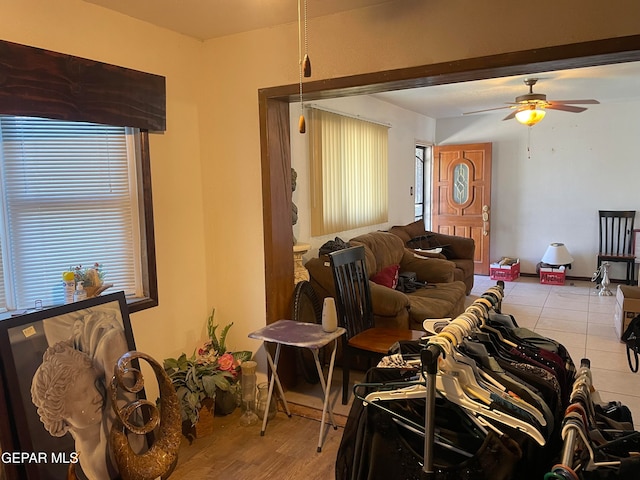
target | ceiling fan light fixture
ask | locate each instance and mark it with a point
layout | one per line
(530, 116)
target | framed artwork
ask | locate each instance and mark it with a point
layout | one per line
(56, 367)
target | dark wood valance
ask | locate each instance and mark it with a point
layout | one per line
(42, 83)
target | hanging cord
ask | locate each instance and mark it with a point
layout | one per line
(302, 127)
(306, 62)
(633, 365)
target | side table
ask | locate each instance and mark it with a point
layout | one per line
(301, 335)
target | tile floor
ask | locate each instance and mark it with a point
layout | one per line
(576, 316)
(573, 314)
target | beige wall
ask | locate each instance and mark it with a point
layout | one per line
(81, 29)
(401, 34)
(206, 167)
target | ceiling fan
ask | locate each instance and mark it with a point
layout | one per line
(530, 108)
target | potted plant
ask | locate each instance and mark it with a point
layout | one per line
(92, 278)
(209, 376)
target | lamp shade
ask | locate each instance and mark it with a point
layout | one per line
(557, 254)
(530, 115)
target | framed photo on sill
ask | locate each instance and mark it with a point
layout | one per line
(56, 367)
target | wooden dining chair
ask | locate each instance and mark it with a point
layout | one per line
(616, 231)
(355, 313)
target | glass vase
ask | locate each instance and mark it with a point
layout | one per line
(263, 393)
(249, 416)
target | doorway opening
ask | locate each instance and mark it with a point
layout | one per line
(275, 129)
(422, 192)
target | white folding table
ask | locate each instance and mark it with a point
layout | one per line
(301, 335)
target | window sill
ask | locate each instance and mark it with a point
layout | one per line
(134, 304)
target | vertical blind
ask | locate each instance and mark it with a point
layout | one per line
(349, 172)
(69, 198)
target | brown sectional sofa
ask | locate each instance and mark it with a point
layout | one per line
(393, 308)
(459, 250)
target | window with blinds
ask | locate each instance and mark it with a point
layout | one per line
(69, 197)
(349, 172)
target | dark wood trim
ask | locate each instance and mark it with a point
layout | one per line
(274, 129)
(41, 83)
(149, 272)
(276, 205)
(278, 228)
(576, 55)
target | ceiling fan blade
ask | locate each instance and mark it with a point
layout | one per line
(575, 102)
(511, 115)
(566, 108)
(485, 110)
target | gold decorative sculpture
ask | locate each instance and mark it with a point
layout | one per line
(160, 459)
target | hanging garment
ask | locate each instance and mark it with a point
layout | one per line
(375, 445)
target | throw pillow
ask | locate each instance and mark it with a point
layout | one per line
(387, 277)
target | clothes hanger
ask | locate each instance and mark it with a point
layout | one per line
(450, 388)
(374, 400)
(484, 385)
(443, 442)
(574, 428)
(493, 384)
(445, 340)
(489, 366)
(481, 391)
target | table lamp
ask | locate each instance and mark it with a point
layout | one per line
(557, 255)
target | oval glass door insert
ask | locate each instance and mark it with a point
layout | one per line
(461, 183)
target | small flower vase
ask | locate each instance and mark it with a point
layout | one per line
(329, 315)
(263, 393)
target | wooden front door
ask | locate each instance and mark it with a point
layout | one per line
(462, 196)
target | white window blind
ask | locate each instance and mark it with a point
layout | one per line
(349, 172)
(69, 198)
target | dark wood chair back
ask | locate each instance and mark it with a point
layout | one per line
(616, 230)
(355, 314)
(353, 294)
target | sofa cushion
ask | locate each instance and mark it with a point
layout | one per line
(386, 248)
(407, 232)
(460, 250)
(387, 277)
(465, 266)
(439, 301)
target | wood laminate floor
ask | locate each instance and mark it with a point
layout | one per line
(286, 451)
(574, 314)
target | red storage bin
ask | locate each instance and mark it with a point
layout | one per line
(508, 273)
(555, 277)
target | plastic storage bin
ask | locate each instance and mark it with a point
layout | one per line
(507, 273)
(552, 276)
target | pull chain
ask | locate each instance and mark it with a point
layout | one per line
(302, 128)
(306, 62)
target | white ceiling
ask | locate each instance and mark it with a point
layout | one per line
(206, 19)
(609, 83)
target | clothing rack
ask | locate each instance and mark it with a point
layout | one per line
(579, 419)
(464, 324)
